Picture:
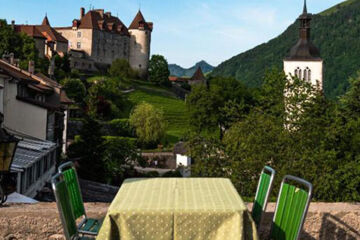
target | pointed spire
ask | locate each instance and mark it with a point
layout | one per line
(305, 8)
(46, 21)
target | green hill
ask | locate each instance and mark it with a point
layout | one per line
(336, 32)
(174, 109)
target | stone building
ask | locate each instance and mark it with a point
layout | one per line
(100, 37)
(304, 60)
(48, 41)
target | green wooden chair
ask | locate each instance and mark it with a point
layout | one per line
(291, 208)
(87, 225)
(65, 210)
(262, 194)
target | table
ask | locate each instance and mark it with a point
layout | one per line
(178, 209)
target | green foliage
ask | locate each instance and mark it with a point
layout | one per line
(334, 32)
(149, 123)
(203, 105)
(62, 66)
(120, 68)
(315, 139)
(174, 109)
(75, 89)
(121, 127)
(119, 155)
(89, 148)
(21, 45)
(159, 71)
(105, 100)
(225, 101)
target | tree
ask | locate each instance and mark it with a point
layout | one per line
(89, 150)
(203, 106)
(20, 44)
(159, 70)
(351, 100)
(75, 89)
(149, 123)
(105, 99)
(120, 68)
(119, 155)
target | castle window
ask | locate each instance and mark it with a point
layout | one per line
(78, 45)
(79, 34)
(305, 74)
(139, 65)
(309, 75)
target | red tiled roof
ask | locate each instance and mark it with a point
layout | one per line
(198, 75)
(45, 21)
(29, 30)
(50, 33)
(42, 31)
(139, 22)
(97, 19)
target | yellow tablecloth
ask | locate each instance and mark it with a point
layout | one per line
(178, 209)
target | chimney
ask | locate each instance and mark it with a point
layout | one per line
(82, 12)
(31, 69)
(13, 24)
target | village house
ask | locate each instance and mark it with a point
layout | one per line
(34, 109)
(48, 41)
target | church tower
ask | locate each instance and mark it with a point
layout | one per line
(140, 39)
(304, 60)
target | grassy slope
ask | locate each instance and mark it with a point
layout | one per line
(174, 109)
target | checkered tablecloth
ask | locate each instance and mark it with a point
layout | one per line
(178, 209)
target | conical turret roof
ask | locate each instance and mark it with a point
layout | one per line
(139, 22)
(45, 21)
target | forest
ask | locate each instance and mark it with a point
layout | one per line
(335, 32)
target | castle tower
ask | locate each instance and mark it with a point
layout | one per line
(140, 39)
(304, 60)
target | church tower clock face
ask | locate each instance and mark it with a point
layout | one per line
(304, 61)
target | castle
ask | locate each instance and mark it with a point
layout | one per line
(304, 60)
(95, 40)
(103, 38)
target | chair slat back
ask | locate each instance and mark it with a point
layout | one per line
(64, 206)
(72, 183)
(291, 209)
(262, 193)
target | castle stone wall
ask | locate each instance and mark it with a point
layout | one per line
(140, 50)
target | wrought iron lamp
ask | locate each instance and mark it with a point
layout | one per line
(8, 144)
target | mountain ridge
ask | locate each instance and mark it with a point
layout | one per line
(178, 71)
(335, 32)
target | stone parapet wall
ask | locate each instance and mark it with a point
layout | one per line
(325, 221)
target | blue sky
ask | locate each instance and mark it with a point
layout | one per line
(185, 31)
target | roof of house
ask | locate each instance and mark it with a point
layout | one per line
(37, 82)
(45, 21)
(139, 22)
(50, 33)
(29, 30)
(97, 19)
(64, 99)
(42, 31)
(198, 75)
(30, 151)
